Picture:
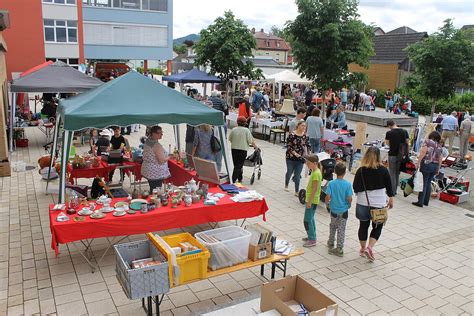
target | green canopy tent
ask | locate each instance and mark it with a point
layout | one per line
(131, 99)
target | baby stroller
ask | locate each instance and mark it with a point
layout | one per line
(255, 161)
(327, 169)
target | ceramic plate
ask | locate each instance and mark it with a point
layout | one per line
(139, 201)
(121, 209)
(136, 206)
(107, 209)
(119, 213)
(85, 211)
(97, 215)
(131, 212)
(121, 204)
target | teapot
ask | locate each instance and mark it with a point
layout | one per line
(192, 185)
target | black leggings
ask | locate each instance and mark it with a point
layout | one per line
(364, 230)
(238, 158)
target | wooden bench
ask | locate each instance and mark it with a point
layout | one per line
(276, 260)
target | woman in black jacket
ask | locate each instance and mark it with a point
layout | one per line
(373, 188)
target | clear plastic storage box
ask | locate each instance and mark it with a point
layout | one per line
(228, 246)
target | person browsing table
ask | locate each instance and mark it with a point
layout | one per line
(298, 146)
(155, 160)
(240, 138)
(118, 142)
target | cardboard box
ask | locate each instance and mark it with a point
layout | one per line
(286, 294)
(258, 252)
(5, 170)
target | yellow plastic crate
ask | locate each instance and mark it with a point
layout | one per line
(191, 267)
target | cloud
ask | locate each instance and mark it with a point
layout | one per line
(420, 15)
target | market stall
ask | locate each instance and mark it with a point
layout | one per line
(49, 77)
(132, 99)
(193, 76)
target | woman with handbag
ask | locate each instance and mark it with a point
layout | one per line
(297, 148)
(202, 144)
(429, 163)
(373, 188)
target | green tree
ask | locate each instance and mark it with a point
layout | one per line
(225, 46)
(326, 37)
(180, 49)
(280, 32)
(441, 61)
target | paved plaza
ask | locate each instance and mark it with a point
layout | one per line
(424, 260)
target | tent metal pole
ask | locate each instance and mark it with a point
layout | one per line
(12, 119)
(178, 137)
(224, 149)
(54, 148)
(64, 159)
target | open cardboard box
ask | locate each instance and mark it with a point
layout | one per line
(260, 251)
(284, 294)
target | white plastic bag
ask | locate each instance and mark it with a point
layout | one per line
(418, 182)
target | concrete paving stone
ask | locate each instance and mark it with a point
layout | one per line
(200, 285)
(221, 300)
(445, 281)
(418, 292)
(45, 293)
(66, 289)
(238, 295)
(183, 298)
(31, 293)
(96, 296)
(15, 300)
(201, 306)
(70, 297)
(435, 301)
(120, 298)
(102, 307)
(132, 309)
(228, 286)
(413, 303)
(396, 293)
(15, 289)
(251, 283)
(386, 303)
(90, 278)
(450, 309)
(181, 311)
(15, 310)
(93, 288)
(72, 308)
(345, 293)
(32, 307)
(208, 294)
(457, 300)
(44, 283)
(64, 279)
(427, 310)
(367, 291)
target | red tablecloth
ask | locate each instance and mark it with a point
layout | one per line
(164, 217)
(90, 172)
(179, 175)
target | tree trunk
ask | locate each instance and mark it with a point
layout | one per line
(433, 108)
(323, 108)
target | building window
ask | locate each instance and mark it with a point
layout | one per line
(125, 35)
(73, 62)
(146, 5)
(60, 1)
(267, 43)
(278, 44)
(60, 31)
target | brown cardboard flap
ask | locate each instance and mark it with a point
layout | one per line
(278, 294)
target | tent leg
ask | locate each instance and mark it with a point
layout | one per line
(53, 149)
(178, 138)
(224, 149)
(12, 119)
(67, 138)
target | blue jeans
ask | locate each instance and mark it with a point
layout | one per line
(293, 167)
(429, 172)
(309, 221)
(315, 145)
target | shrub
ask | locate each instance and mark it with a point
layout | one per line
(155, 71)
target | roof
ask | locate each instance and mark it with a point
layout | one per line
(402, 30)
(263, 38)
(192, 76)
(263, 61)
(389, 48)
(57, 77)
(467, 27)
(134, 99)
(288, 76)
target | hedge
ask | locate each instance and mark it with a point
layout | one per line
(155, 71)
(423, 106)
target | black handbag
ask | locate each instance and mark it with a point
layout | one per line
(215, 144)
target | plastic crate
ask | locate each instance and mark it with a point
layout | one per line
(191, 267)
(231, 248)
(142, 282)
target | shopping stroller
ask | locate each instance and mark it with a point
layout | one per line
(255, 161)
(327, 169)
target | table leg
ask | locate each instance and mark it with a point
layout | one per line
(262, 270)
(273, 270)
(149, 311)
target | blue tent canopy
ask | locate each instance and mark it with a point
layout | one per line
(192, 76)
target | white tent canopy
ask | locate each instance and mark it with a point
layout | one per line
(287, 76)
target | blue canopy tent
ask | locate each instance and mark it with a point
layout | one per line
(192, 76)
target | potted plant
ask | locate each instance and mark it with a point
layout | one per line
(19, 137)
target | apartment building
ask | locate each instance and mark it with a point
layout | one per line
(74, 31)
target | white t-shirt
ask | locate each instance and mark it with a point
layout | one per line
(377, 198)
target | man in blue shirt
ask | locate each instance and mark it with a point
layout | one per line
(450, 126)
(338, 198)
(339, 119)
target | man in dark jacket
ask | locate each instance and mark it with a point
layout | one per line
(218, 103)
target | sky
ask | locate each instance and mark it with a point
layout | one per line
(190, 16)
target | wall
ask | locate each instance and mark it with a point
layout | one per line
(381, 76)
(128, 18)
(25, 36)
(3, 103)
(281, 57)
